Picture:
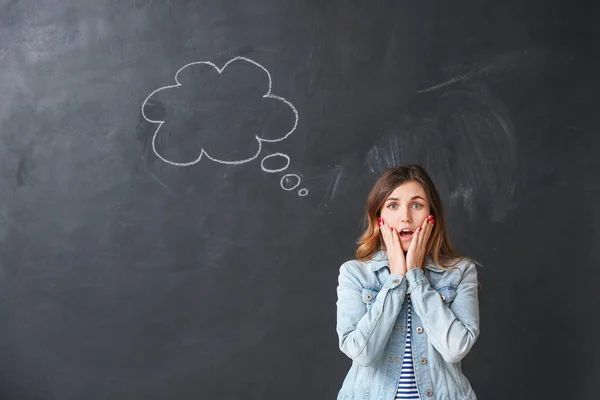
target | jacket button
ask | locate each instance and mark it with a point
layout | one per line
(429, 393)
(419, 330)
(396, 281)
(369, 297)
(423, 361)
(443, 297)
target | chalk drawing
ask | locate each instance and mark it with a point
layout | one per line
(283, 182)
(203, 153)
(334, 186)
(498, 63)
(288, 177)
(381, 157)
(272, 171)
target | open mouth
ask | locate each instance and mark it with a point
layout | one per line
(406, 233)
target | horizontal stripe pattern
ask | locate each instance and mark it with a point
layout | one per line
(407, 385)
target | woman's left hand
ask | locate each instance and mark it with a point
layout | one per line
(416, 251)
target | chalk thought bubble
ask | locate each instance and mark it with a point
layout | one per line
(206, 133)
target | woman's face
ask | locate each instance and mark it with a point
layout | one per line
(405, 209)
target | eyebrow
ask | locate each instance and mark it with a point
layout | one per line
(411, 199)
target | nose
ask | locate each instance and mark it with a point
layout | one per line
(404, 216)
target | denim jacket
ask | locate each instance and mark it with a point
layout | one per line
(371, 321)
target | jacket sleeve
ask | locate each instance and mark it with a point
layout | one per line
(452, 329)
(363, 331)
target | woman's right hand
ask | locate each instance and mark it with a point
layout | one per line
(395, 253)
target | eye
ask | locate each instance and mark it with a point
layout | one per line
(417, 205)
(392, 206)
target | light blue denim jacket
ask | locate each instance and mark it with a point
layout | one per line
(371, 321)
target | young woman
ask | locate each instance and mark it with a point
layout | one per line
(407, 308)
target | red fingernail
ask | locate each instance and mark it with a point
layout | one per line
(420, 228)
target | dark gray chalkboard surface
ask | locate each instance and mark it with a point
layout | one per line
(181, 180)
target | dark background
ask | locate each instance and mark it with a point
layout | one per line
(124, 277)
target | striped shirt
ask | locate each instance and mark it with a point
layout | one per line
(407, 385)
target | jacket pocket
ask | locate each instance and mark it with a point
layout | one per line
(369, 295)
(447, 293)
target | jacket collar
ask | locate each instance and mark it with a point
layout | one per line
(380, 260)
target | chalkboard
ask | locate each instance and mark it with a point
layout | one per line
(181, 180)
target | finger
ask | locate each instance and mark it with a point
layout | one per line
(397, 246)
(418, 235)
(380, 224)
(416, 242)
(426, 233)
(385, 232)
(425, 223)
(428, 228)
(421, 231)
(396, 239)
(431, 225)
(413, 245)
(416, 248)
(400, 251)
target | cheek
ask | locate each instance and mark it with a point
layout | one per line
(389, 216)
(419, 221)
(422, 216)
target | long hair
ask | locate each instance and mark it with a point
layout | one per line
(438, 246)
